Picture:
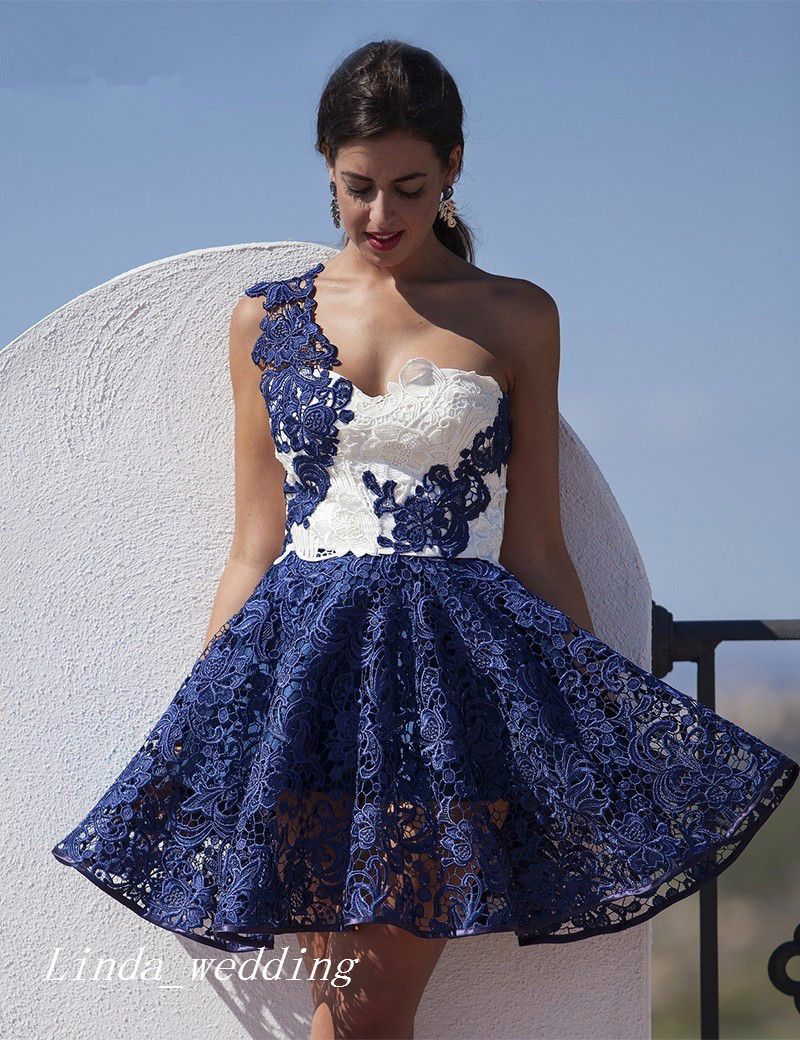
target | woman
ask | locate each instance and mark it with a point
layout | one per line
(401, 728)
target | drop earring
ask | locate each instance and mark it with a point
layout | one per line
(447, 208)
(334, 205)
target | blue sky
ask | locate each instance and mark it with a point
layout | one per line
(638, 160)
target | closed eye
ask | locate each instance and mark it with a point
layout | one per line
(403, 194)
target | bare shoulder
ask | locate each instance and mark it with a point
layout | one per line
(245, 326)
(527, 325)
(247, 312)
(530, 298)
(519, 303)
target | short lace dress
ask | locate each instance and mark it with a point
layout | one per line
(393, 728)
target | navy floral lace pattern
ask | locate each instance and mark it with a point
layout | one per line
(443, 504)
(289, 334)
(423, 742)
(305, 406)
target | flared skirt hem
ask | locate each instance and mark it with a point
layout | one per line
(771, 793)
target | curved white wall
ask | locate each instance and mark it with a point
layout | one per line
(117, 491)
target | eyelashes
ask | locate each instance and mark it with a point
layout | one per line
(403, 194)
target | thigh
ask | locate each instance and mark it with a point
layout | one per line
(315, 945)
(387, 982)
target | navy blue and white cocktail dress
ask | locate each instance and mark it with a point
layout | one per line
(392, 728)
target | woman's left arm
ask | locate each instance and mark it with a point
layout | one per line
(533, 546)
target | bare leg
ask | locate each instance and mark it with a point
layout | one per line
(387, 983)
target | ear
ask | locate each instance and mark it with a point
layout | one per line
(327, 156)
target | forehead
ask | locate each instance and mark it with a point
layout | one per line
(389, 155)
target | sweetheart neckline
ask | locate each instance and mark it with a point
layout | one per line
(397, 383)
(311, 276)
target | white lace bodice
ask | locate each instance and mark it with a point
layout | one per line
(419, 469)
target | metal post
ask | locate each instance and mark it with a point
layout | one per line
(709, 952)
(697, 641)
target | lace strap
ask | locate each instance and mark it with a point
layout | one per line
(289, 335)
(263, 352)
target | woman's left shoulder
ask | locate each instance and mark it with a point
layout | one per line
(526, 319)
(521, 297)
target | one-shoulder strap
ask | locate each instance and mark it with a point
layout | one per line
(263, 352)
(287, 328)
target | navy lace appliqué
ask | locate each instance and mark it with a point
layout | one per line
(438, 513)
(305, 406)
(289, 334)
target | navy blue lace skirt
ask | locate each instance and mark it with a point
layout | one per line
(421, 742)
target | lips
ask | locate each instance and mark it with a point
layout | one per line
(383, 242)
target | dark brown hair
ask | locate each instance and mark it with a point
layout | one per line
(389, 85)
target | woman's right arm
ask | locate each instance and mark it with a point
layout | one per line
(260, 506)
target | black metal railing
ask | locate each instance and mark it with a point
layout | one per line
(697, 641)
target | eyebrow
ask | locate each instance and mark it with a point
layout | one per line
(405, 177)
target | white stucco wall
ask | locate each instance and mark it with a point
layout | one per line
(117, 492)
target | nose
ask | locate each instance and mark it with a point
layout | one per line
(381, 210)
